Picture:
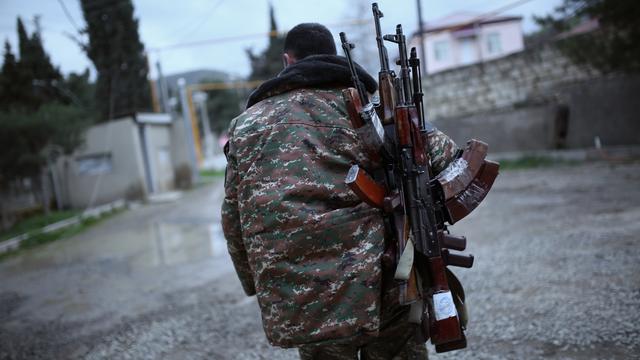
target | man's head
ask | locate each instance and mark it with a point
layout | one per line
(307, 39)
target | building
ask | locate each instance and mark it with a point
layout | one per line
(131, 157)
(466, 38)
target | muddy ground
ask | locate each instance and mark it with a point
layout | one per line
(557, 276)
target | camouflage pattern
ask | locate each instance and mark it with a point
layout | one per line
(442, 150)
(299, 238)
(396, 341)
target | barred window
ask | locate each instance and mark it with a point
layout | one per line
(493, 44)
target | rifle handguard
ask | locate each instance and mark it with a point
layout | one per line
(354, 106)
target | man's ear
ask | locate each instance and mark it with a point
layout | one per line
(288, 59)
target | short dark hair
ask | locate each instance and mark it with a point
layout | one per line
(309, 39)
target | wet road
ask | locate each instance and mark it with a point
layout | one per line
(64, 297)
(556, 276)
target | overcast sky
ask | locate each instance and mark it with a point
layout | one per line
(164, 23)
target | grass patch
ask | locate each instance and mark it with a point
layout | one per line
(37, 239)
(211, 173)
(35, 223)
(530, 161)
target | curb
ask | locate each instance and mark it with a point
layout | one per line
(14, 242)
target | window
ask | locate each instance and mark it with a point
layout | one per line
(94, 164)
(468, 50)
(441, 50)
(493, 44)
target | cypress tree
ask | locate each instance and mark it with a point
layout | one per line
(33, 114)
(268, 63)
(34, 71)
(12, 89)
(115, 49)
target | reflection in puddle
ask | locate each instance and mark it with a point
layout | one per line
(178, 243)
(218, 242)
(129, 248)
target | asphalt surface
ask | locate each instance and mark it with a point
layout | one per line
(556, 276)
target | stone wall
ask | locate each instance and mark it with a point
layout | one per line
(516, 103)
(525, 77)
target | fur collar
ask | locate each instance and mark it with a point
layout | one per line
(312, 72)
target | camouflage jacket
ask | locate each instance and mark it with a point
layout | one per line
(299, 238)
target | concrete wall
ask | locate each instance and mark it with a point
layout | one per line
(522, 129)
(159, 138)
(607, 107)
(118, 140)
(179, 150)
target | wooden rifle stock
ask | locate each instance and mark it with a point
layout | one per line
(444, 325)
(354, 106)
(453, 345)
(403, 126)
(385, 75)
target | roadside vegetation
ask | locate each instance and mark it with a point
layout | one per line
(211, 173)
(210, 176)
(34, 225)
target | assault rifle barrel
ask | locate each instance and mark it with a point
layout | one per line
(347, 47)
(382, 51)
(404, 76)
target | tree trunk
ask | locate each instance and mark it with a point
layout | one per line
(43, 187)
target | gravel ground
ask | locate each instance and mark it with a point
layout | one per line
(556, 276)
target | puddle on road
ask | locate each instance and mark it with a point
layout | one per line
(131, 264)
(172, 244)
(156, 244)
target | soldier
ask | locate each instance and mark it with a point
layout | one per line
(299, 238)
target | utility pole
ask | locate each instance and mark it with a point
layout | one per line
(164, 91)
(200, 98)
(423, 52)
(188, 129)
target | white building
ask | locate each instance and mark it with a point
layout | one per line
(131, 157)
(465, 38)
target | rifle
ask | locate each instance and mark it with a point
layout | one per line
(385, 75)
(379, 147)
(362, 113)
(416, 204)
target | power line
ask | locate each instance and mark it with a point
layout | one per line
(227, 85)
(203, 20)
(69, 17)
(242, 37)
(482, 17)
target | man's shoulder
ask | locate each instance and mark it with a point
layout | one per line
(294, 105)
(305, 98)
